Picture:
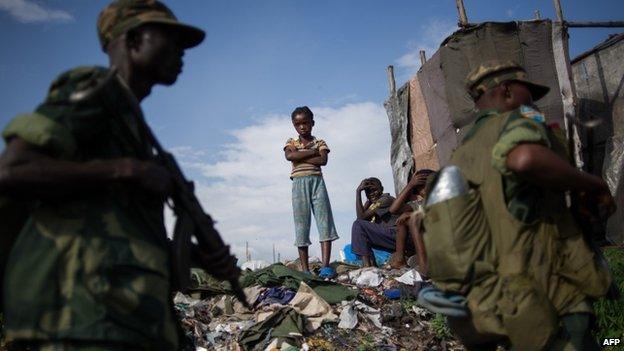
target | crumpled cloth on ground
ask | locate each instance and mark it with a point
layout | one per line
(370, 276)
(350, 311)
(285, 324)
(279, 275)
(201, 280)
(223, 333)
(194, 316)
(448, 304)
(280, 345)
(410, 277)
(190, 308)
(230, 306)
(276, 294)
(310, 304)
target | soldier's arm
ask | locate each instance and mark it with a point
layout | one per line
(539, 165)
(25, 170)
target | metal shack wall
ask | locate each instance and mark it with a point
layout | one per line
(439, 110)
(527, 43)
(599, 81)
(397, 108)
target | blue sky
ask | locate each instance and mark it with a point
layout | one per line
(227, 116)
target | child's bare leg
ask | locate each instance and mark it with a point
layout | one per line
(398, 258)
(325, 252)
(414, 228)
(303, 258)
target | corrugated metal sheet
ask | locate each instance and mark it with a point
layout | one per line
(397, 107)
(599, 81)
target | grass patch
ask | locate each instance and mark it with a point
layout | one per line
(367, 343)
(441, 328)
(610, 314)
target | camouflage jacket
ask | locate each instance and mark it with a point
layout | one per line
(90, 266)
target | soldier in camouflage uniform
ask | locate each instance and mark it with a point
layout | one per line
(90, 267)
(545, 272)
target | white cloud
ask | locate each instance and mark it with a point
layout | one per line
(247, 190)
(26, 11)
(431, 35)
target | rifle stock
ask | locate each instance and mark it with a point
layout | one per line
(191, 221)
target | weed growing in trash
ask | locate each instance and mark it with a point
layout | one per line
(609, 314)
(367, 343)
(441, 328)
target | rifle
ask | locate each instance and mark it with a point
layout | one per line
(588, 213)
(191, 221)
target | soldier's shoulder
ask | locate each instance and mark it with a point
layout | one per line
(75, 84)
(525, 114)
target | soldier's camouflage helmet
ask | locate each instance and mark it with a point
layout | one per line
(491, 73)
(123, 15)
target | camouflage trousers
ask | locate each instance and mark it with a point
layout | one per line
(575, 335)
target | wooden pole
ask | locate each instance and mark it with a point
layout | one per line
(538, 15)
(463, 20)
(423, 57)
(558, 10)
(590, 24)
(391, 80)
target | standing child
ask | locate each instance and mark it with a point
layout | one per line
(308, 154)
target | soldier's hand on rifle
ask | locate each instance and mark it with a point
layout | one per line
(220, 264)
(597, 205)
(148, 175)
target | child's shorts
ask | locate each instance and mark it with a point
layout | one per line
(309, 194)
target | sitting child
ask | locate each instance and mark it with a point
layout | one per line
(308, 154)
(408, 203)
(375, 226)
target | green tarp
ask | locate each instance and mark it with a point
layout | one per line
(284, 324)
(280, 275)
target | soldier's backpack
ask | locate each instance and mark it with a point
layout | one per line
(477, 248)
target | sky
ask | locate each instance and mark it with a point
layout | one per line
(227, 117)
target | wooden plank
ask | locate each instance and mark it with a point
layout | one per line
(423, 57)
(391, 80)
(566, 88)
(463, 19)
(558, 10)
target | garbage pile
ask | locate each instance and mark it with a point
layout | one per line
(362, 309)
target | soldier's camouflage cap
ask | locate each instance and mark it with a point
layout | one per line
(123, 15)
(491, 73)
